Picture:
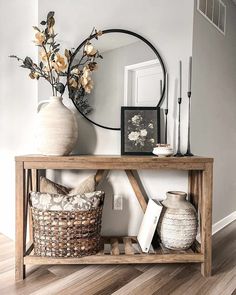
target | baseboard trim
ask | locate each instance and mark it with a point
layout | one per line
(219, 225)
(223, 222)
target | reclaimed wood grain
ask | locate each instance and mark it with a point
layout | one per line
(113, 162)
(137, 190)
(129, 250)
(115, 158)
(20, 222)
(115, 246)
(119, 259)
(200, 179)
(206, 220)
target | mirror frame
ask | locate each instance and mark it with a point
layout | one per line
(132, 34)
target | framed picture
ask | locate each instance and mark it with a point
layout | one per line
(140, 130)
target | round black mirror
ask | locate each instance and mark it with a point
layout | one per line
(129, 73)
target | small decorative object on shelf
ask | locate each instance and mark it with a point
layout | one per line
(140, 130)
(163, 150)
(53, 67)
(178, 153)
(177, 226)
(149, 224)
(189, 153)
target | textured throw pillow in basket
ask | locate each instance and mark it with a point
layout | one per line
(66, 226)
(59, 202)
(86, 186)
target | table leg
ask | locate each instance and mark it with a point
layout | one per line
(194, 193)
(20, 222)
(206, 219)
(195, 188)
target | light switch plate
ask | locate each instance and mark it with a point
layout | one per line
(117, 202)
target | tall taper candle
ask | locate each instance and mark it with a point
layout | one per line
(190, 74)
(178, 153)
(180, 78)
(167, 90)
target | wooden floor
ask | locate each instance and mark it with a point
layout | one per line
(121, 280)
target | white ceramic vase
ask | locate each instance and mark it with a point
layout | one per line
(177, 226)
(57, 128)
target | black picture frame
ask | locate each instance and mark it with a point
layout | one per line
(108, 31)
(134, 127)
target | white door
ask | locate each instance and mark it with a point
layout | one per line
(142, 84)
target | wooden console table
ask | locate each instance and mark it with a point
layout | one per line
(200, 194)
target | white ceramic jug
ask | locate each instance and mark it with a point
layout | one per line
(178, 223)
(57, 128)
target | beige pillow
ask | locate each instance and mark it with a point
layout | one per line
(86, 186)
(48, 186)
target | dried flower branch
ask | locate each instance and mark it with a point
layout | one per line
(53, 65)
(80, 81)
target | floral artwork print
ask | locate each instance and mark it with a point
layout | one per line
(140, 130)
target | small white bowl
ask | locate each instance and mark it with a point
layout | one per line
(163, 151)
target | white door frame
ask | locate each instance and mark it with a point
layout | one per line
(131, 68)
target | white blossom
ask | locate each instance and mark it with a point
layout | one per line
(134, 135)
(136, 119)
(143, 132)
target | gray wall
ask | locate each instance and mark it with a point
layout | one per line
(18, 99)
(214, 105)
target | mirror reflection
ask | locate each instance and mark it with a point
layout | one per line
(128, 74)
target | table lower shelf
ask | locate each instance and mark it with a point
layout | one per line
(123, 250)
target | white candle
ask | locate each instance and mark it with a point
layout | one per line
(180, 79)
(167, 90)
(190, 74)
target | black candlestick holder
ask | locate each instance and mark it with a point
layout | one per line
(189, 153)
(178, 153)
(166, 114)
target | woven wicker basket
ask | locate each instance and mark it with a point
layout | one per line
(67, 233)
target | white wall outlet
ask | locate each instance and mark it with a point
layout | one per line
(117, 202)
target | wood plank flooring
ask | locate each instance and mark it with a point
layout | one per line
(174, 279)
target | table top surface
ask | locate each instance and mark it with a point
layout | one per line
(113, 158)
